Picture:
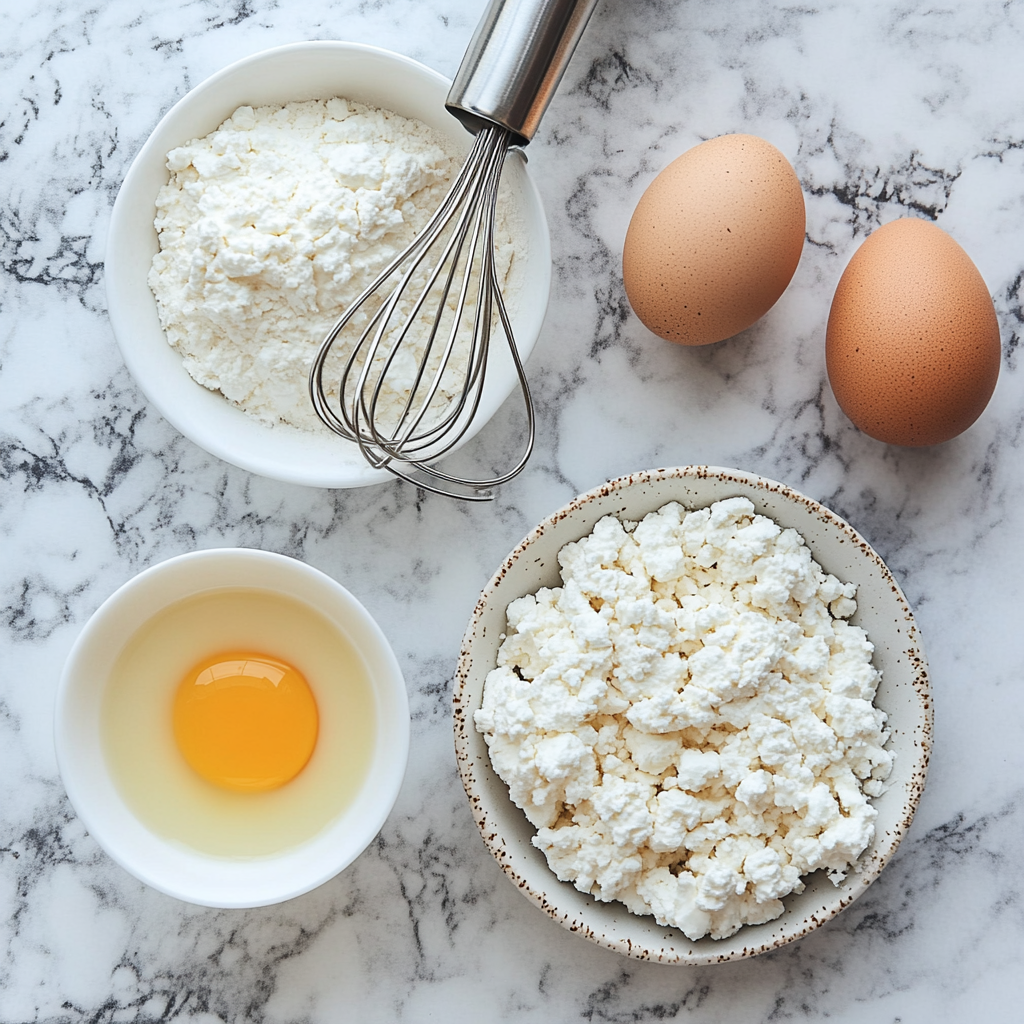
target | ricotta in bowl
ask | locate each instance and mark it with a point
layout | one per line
(688, 719)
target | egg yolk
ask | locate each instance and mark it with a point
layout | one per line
(245, 721)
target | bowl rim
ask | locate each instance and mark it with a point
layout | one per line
(212, 437)
(490, 831)
(390, 755)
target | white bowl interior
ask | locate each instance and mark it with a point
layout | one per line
(173, 868)
(903, 694)
(299, 71)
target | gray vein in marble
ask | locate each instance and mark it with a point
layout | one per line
(885, 111)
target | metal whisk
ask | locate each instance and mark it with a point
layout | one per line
(440, 299)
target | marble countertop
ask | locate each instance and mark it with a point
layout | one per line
(885, 111)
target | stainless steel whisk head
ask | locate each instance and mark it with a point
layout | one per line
(444, 302)
(439, 301)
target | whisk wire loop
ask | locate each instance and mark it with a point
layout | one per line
(452, 258)
(423, 241)
(481, 243)
(439, 402)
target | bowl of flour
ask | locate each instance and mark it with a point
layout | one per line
(263, 203)
(692, 715)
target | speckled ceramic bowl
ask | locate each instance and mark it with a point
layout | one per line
(903, 694)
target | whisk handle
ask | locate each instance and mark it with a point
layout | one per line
(515, 61)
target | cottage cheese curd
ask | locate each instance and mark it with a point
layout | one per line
(688, 720)
(273, 224)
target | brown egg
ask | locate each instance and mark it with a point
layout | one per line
(912, 346)
(714, 240)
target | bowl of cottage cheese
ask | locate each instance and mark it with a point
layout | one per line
(692, 715)
(261, 206)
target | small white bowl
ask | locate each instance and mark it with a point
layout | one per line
(299, 71)
(903, 694)
(172, 867)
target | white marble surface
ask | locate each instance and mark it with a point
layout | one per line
(884, 110)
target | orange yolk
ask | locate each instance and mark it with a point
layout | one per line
(245, 721)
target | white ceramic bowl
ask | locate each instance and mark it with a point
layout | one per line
(170, 866)
(903, 694)
(299, 71)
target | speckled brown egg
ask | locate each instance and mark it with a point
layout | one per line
(714, 240)
(912, 346)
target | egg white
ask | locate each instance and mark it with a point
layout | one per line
(151, 774)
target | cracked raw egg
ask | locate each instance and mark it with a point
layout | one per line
(714, 241)
(912, 345)
(239, 722)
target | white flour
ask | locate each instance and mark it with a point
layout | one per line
(273, 224)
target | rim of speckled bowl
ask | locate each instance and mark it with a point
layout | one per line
(311, 69)
(903, 694)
